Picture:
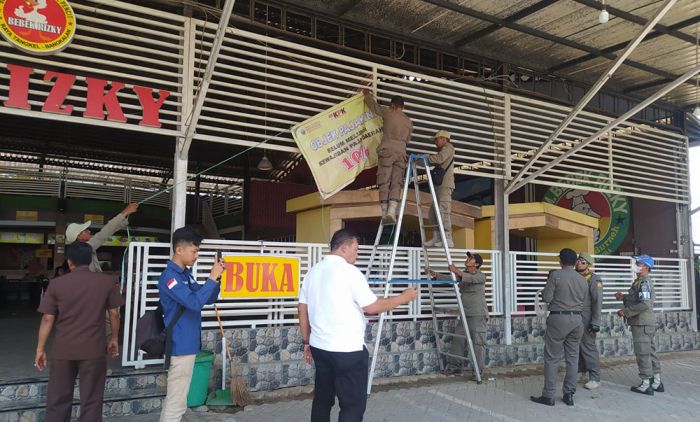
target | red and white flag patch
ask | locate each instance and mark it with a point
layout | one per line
(172, 283)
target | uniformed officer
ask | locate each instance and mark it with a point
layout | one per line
(391, 152)
(565, 292)
(589, 358)
(639, 314)
(472, 286)
(444, 158)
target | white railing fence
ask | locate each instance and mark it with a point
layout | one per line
(145, 261)
(530, 270)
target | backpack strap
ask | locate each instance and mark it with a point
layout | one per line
(169, 333)
(450, 163)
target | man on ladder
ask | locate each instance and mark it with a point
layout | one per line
(415, 162)
(443, 161)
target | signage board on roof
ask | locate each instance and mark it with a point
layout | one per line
(40, 27)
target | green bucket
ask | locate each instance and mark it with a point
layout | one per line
(200, 379)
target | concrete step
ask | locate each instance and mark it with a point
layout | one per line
(123, 402)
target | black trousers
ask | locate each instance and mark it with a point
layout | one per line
(344, 375)
(93, 374)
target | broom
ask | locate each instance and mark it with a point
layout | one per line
(240, 392)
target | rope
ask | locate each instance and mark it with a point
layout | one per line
(122, 278)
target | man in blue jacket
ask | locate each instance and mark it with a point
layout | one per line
(178, 288)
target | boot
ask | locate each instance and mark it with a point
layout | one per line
(448, 237)
(430, 243)
(385, 208)
(391, 212)
(569, 399)
(656, 384)
(643, 388)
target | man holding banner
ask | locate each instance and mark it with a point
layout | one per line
(391, 151)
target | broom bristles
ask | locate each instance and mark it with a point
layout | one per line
(240, 392)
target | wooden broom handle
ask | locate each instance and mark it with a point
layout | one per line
(221, 327)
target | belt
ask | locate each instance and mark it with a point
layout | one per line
(565, 312)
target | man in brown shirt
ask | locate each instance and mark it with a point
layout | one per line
(75, 304)
(391, 152)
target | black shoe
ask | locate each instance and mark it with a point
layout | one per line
(659, 389)
(641, 390)
(542, 400)
(451, 371)
(569, 399)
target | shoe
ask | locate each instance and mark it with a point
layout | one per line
(450, 370)
(385, 208)
(542, 400)
(391, 212)
(591, 385)
(450, 244)
(582, 378)
(569, 399)
(643, 388)
(430, 243)
(656, 384)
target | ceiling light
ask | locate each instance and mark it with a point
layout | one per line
(265, 164)
(604, 16)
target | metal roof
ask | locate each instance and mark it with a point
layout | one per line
(560, 37)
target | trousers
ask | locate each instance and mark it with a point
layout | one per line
(179, 378)
(62, 375)
(391, 168)
(444, 198)
(589, 357)
(342, 374)
(562, 337)
(460, 347)
(645, 350)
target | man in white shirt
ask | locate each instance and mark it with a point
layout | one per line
(332, 302)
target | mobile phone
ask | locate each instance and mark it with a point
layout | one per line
(217, 256)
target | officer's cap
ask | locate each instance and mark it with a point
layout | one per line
(442, 133)
(645, 259)
(587, 257)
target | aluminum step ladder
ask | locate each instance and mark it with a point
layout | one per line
(388, 239)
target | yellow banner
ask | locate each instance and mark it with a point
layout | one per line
(255, 276)
(339, 143)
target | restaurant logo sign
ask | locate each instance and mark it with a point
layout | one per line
(612, 211)
(39, 27)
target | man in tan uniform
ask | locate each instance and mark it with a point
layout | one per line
(472, 286)
(391, 152)
(444, 158)
(589, 358)
(639, 315)
(566, 292)
(82, 233)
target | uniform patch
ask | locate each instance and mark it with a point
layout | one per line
(600, 285)
(172, 283)
(644, 292)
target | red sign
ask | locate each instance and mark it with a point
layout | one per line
(101, 100)
(37, 26)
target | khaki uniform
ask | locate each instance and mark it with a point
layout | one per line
(473, 291)
(444, 191)
(391, 152)
(639, 313)
(589, 358)
(114, 225)
(565, 292)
